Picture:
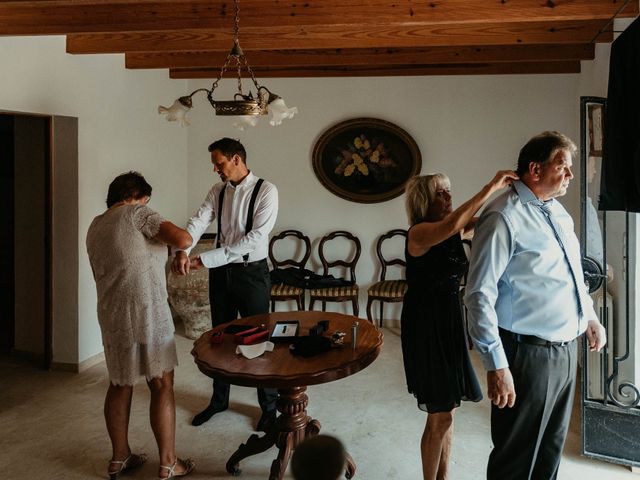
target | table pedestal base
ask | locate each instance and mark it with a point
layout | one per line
(292, 427)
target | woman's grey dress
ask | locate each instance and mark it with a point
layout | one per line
(129, 269)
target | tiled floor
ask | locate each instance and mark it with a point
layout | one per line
(52, 427)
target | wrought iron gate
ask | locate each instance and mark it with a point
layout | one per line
(610, 401)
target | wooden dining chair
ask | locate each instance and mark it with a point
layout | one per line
(283, 292)
(338, 293)
(384, 290)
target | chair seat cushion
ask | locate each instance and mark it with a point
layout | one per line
(348, 291)
(283, 289)
(388, 289)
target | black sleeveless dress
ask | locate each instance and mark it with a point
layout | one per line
(436, 360)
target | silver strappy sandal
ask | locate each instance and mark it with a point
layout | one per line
(132, 462)
(188, 463)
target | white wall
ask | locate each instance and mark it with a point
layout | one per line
(119, 130)
(467, 127)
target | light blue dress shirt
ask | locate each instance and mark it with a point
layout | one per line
(519, 277)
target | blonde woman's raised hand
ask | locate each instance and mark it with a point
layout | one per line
(503, 179)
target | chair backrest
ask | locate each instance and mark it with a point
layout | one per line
(290, 262)
(346, 263)
(384, 261)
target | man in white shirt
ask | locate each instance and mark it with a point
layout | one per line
(245, 208)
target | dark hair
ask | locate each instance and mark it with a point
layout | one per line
(229, 147)
(543, 147)
(130, 185)
(318, 458)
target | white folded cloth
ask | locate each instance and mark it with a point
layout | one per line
(253, 351)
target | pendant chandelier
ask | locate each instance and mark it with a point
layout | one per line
(246, 107)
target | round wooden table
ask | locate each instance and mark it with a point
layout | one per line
(290, 374)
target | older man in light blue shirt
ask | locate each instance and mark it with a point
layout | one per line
(527, 304)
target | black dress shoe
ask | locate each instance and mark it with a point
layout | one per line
(267, 421)
(206, 414)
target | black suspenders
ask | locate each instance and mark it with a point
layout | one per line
(252, 204)
(249, 224)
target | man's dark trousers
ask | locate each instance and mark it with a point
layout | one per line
(528, 438)
(235, 288)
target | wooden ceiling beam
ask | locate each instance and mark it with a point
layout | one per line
(381, 56)
(47, 17)
(330, 37)
(389, 70)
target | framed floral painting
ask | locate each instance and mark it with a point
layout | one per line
(366, 160)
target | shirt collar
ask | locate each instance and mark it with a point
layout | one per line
(527, 196)
(246, 181)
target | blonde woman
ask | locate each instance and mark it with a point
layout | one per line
(437, 366)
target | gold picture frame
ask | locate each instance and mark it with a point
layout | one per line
(366, 160)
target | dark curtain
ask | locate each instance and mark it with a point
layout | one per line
(620, 181)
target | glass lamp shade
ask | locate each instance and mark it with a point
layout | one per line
(244, 121)
(176, 112)
(280, 111)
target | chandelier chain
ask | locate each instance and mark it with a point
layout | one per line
(236, 28)
(242, 59)
(222, 70)
(253, 77)
(239, 65)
